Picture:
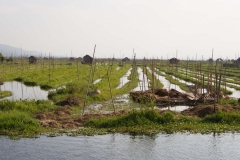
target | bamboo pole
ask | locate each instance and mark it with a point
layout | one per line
(77, 69)
(219, 86)
(215, 89)
(144, 68)
(225, 78)
(152, 77)
(110, 89)
(89, 77)
(49, 68)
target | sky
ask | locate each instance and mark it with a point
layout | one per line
(149, 28)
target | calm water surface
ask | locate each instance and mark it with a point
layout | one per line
(21, 91)
(124, 146)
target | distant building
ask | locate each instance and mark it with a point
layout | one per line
(71, 59)
(210, 60)
(32, 59)
(237, 61)
(174, 61)
(79, 58)
(219, 60)
(87, 59)
(126, 59)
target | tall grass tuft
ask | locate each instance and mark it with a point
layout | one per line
(16, 123)
(223, 117)
(135, 118)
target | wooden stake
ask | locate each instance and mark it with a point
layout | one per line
(89, 77)
(110, 91)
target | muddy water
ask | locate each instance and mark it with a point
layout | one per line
(124, 146)
(21, 91)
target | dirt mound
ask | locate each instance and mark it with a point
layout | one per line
(61, 118)
(71, 101)
(175, 94)
(161, 92)
(62, 111)
(202, 111)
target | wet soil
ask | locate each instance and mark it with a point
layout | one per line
(71, 101)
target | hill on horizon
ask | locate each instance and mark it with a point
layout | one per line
(8, 51)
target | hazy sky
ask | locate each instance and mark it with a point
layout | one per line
(154, 28)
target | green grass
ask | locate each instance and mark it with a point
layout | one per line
(79, 89)
(150, 122)
(15, 123)
(16, 117)
(223, 118)
(4, 94)
(135, 118)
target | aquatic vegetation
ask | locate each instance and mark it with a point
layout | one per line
(4, 94)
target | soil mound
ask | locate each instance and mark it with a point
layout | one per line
(70, 101)
(62, 119)
(202, 111)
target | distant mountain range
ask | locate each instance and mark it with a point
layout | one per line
(8, 51)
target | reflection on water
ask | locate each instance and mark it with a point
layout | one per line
(124, 146)
(124, 79)
(21, 91)
(166, 83)
(175, 108)
(143, 81)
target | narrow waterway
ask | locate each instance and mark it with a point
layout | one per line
(124, 79)
(166, 84)
(143, 81)
(123, 146)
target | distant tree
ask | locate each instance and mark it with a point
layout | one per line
(1, 58)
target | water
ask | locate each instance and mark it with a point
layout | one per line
(143, 81)
(123, 146)
(166, 83)
(124, 79)
(175, 108)
(235, 93)
(120, 102)
(21, 91)
(96, 81)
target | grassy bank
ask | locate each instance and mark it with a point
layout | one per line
(17, 120)
(151, 122)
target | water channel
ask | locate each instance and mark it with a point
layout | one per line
(21, 91)
(176, 146)
(124, 79)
